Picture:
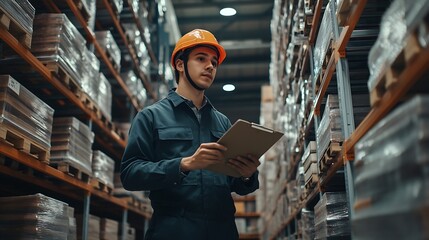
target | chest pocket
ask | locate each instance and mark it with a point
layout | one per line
(174, 142)
(216, 134)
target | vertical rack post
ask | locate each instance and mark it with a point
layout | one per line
(85, 215)
(346, 108)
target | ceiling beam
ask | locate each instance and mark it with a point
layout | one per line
(226, 4)
(220, 19)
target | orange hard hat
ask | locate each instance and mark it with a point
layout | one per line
(197, 37)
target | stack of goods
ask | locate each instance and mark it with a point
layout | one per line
(90, 66)
(323, 42)
(391, 175)
(140, 47)
(397, 23)
(24, 115)
(21, 13)
(108, 229)
(71, 144)
(34, 217)
(104, 96)
(110, 47)
(331, 217)
(309, 160)
(93, 227)
(103, 168)
(329, 131)
(307, 224)
(57, 41)
(135, 85)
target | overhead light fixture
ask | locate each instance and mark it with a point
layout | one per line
(228, 12)
(228, 87)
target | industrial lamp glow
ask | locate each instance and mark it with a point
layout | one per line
(228, 87)
(227, 12)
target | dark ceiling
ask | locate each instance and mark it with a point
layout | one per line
(246, 38)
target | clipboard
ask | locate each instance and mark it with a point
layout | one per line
(245, 138)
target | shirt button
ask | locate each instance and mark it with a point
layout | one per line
(175, 183)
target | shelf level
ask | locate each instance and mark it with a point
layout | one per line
(72, 183)
(28, 57)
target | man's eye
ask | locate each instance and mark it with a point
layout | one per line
(214, 64)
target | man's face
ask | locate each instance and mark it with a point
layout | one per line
(202, 66)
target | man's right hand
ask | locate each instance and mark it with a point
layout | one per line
(206, 155)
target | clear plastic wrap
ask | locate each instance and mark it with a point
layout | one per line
(72, 142)
(90, 67)
(397, 22)
(331, 216)
(21, 11)
(22, 111)
(57, 40)
(103, 167)
(108, 43)
(307, 223)
(104, 96)
(330, 127)
(392, 174)
(33, 217)
(131, 80)
(324, 38)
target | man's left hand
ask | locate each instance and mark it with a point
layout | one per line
(245, 165)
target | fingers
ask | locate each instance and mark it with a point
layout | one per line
(213, 145)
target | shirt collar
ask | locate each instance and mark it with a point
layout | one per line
(176, 99)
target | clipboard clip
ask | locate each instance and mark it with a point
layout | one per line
(262, 128)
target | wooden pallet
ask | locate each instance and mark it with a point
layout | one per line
(100, 185)
(71, 170)
(311, 182)
(389, 77)
(15, 29)
(20, 141)
(64, 77)
(329, 156)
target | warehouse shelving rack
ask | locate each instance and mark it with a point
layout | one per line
(344, 19)
(29, 170)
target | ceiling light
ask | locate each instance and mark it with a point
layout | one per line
(228, 87)
(227, 11)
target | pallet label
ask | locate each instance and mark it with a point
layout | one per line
(14, 85)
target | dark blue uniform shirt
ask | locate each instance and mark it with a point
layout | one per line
(195, 205)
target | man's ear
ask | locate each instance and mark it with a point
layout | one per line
(180, 65)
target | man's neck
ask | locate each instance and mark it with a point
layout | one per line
(190, 93)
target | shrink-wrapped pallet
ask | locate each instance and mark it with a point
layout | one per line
(72, 143)
(396, 24)
(330, 126)
(109, 45)
(103, 168)
(104, 96)
(307, 223)
(24, 114)
(323, 41)
(57, 41)
(21, 12)
(331, 216)
(90, 81)
(35, 217)
(391, 175)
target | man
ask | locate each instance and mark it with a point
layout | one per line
(173, 141)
